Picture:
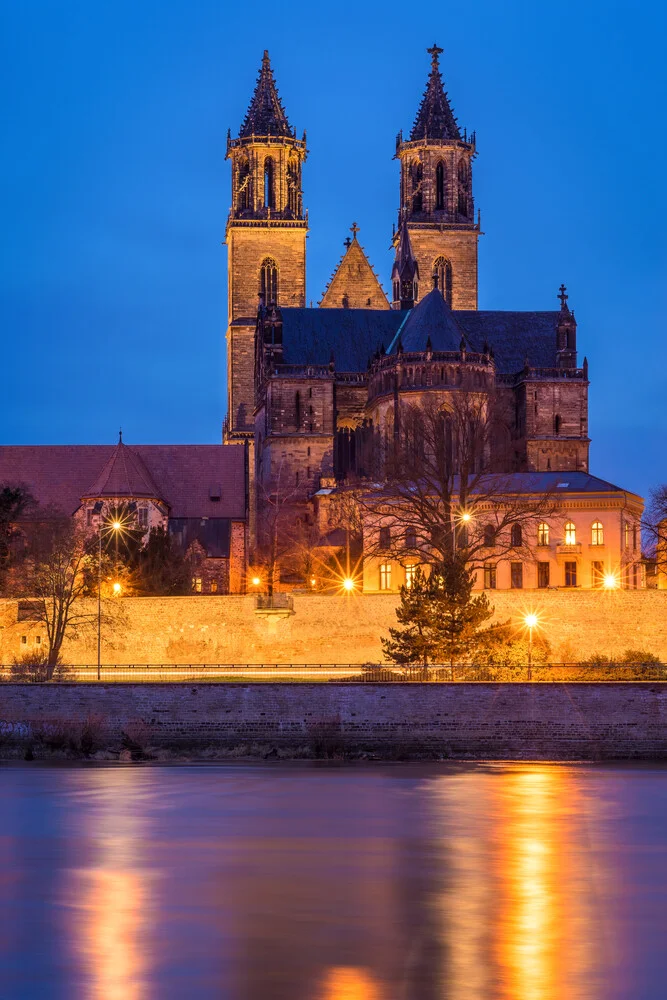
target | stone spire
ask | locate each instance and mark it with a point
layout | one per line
(405, 272)
(266, 115)
(435, 119)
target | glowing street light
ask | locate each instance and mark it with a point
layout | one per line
(466, 516)
(349, 584)
(610, 581)
(256, 581)
(114, 526)
(531, 621)
(117, 588)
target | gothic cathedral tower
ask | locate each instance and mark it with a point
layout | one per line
(437, 207)
(266, 238)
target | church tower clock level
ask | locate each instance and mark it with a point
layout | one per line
(266, 238)
(436, 201)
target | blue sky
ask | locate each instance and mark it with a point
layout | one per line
(116, 190)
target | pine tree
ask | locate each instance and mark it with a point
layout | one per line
(442, 619)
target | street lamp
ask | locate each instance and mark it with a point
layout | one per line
(114, 526)
(610, 581)
(255, 581)
(349, 584)
(530, 621)
(117, 589)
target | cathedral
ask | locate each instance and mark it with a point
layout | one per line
(305, 384)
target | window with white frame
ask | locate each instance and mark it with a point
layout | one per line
(597, 533)
(385, 576)
(410, 571)
(570, 533)
(543, 533)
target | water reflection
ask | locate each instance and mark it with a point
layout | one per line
(525, 882)
(111, 897)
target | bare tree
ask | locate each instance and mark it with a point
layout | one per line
(654, 525)
(436, 495)
(278, 511)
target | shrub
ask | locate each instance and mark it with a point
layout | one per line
(33, 668)
(638, 656)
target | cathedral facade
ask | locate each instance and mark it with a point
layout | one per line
(304, 382)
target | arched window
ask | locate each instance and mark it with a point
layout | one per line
(269, 183)
(517, 536)
(244, 187)
(293, 185)
(416, 177)
(442, 270)
(557, 424)
(543, 533)
(268, 281)
(597, 533)
(489, 536)
(464, 183)
(440, 186)
(570, 534)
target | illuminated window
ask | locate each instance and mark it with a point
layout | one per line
(385, 538)
(268, 281)
(410, 571)
(597, 533)
(517, 536)
(543, 574)
(489, 576)
(597, 573)
(196, 584)
(385, 576)
(516, 569)
(570, 534)
(543, 534)
(570, 574)
(214, 586)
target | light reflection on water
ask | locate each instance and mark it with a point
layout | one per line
(519, 882)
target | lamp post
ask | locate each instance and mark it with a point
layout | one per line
(530, 622)
(115, 526)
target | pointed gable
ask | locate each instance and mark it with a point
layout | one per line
(435, 119)
(354, 284)
(123, 475)
(266, 115)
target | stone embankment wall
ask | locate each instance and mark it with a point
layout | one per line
(226, 629)
(547, 721)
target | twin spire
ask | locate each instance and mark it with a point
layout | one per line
(266, 115)
(435, 119)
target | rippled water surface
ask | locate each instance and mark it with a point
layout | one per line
(521, 882)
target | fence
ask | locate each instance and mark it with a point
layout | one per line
(295, 673)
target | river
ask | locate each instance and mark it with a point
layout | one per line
(383, 882)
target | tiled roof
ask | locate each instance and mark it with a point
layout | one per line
(435, 119)
(123, 475)
(185, 475)
(353, 335)
(266, 115)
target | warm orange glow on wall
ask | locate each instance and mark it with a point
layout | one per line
(349, 983)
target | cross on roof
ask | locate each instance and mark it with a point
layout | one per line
(354, 229)
(434, 52)
(562, 296)
(346, 242)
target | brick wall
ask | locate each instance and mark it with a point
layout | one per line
(225, 629)
(482, 720)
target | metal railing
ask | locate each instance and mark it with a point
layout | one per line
(299, 673)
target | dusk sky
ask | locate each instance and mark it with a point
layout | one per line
(116, 191)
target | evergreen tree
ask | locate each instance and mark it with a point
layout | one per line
(161, 567)
(443, 622)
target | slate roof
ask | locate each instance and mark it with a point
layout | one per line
(405, 264)
(266, 115)
(558, 482)
(435, 119)
(60, 476)
(353, 335)
(514, 336)
(430, 319)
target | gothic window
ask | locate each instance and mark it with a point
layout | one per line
(597, 533)
(293, 187)
(442, 269)
(557, 424)
(517, 536)
(397, 291)
(543, 534)
(269, 183)
(440, 186)
(570, 534)
(244, 189)
(464, 182)
(268, 281)
(416, 178)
